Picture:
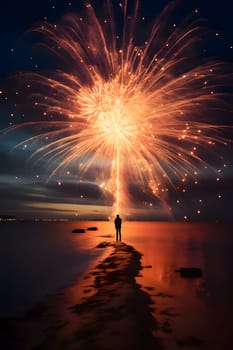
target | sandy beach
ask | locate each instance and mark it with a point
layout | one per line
(112, 312)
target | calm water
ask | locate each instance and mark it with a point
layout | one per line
(40, 258)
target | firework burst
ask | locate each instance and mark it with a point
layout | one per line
(137, 112)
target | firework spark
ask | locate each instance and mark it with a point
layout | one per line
(138, 111)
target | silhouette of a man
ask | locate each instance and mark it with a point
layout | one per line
(117, 223)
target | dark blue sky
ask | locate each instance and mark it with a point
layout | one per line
(16, 17)
(25, 187)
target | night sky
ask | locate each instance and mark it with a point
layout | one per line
(27, 190)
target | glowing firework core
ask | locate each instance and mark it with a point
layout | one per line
(117, 114)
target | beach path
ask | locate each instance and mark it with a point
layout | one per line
(115, 313)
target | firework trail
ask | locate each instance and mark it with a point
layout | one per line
(138, 111)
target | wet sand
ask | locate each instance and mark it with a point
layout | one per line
(108, 310)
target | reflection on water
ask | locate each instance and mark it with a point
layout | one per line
(39, 258)
(199, 311)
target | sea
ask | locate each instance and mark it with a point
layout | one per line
(40, 258)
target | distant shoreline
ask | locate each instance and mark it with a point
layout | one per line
(15, 219)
